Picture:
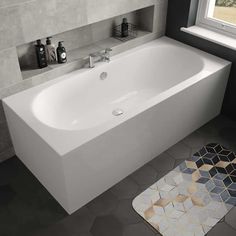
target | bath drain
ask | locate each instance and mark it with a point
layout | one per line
(117, 112)
(103, 75)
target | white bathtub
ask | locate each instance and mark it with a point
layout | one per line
(65, 133)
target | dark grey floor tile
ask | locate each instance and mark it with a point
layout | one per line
(139, 229)
(85, 234)
(228, 133)
(160, 174)
(6, 194)
(50, 213)
(208, 131)
(230, 218)
(178, 162)
(222, 229)
(29, 210)
(163, 163)
(103, 204)
(179, 151)
(219, 140)
(194, 140)
(9, 170)
(221, 122)
(125, 189)
(194, 150)
(79, 222)
(55, 230)
(106, 226)
(145, 176)
(126, 214)
(27, 204)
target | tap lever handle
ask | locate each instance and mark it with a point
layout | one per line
(108, 50)
(95, 54)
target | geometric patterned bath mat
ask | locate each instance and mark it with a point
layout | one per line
(191, 199)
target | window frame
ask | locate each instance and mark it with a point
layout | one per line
(220, 26)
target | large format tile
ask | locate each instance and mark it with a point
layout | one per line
(194, 140)
(145, 176)
(103, 204)
(222, 229)
(8, 3)
(163, 162)
(105, 10)
(25, 202)
(10, 28)
(80, 222)
(125, 213)
(2, 114)
(139, 230)
(125, 189)
(160, 16)
(230, 218)
(5, 140)
(51, 17)
(179, 151)
(9, 67)
(106, 226)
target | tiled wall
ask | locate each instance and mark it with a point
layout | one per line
(24, 21)
(76, 38)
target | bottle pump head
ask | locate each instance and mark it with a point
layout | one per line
(125, 20)
(48, 41)
(39, 42)
(60, 43)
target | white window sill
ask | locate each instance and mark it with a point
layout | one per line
(212, 36)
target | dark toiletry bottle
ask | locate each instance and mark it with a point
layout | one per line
(50, 51)
(61, 53)
(125, 28)
(41, 54)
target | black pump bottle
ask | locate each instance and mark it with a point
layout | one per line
(125, 28)
(41, 54)
(61, 53)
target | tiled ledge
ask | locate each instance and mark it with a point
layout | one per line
(80, 55)
(76, 60)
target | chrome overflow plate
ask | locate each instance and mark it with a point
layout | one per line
(118, 112)
(103, 75)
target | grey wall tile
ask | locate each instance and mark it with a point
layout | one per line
(105, 10)
(5, 140)
(160, 15)
(30, 20)
(9, 3)
(10, 27)
(7, 154)
(15, 88)
(75, 39)
(2, 115)
(9, 68)
(51, 17)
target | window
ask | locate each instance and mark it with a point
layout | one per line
(219, 15)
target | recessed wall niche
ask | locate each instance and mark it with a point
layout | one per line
(84, 40)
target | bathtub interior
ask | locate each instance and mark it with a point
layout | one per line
(84, 100)
(76, 108)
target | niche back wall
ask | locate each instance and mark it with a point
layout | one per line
(24, 21)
